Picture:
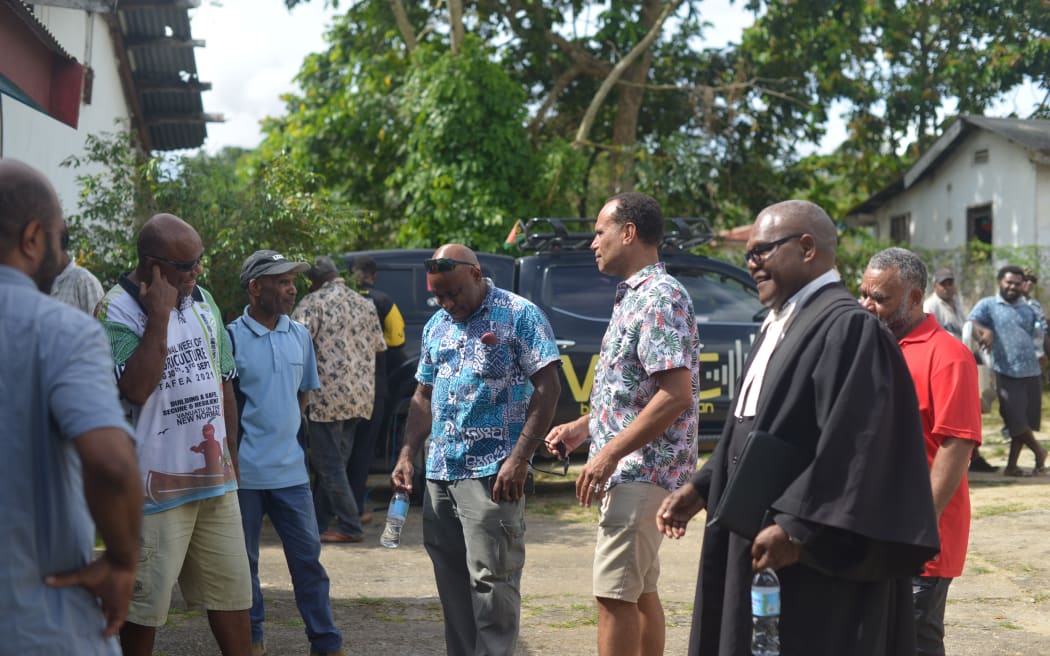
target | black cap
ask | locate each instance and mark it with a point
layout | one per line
(268, 263)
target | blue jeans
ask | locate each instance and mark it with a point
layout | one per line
(291, 511)
(331, 443)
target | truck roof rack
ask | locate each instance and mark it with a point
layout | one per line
(548, 235)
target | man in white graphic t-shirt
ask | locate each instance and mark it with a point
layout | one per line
(174, 368)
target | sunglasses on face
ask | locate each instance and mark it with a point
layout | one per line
(442, 264)
(182, 266)
(760, 253)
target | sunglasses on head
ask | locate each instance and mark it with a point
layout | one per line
(442, 264)
(180, 265)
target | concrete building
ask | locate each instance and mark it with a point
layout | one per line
(984, 179)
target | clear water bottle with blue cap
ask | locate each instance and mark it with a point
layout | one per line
(765, 613)
(395, 520)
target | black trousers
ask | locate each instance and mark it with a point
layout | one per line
(930, 594)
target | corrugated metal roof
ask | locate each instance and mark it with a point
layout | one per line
(1031, 134)
(24, 11)
(159, 43)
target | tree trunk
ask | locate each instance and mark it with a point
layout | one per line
(629, 105)
(455, 19)
(630, 96)
(403, 26)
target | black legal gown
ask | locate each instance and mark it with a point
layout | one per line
(838, 387)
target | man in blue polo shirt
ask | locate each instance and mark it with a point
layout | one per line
(1011, 330)
(276, 365)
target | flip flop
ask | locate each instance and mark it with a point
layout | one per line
(1016, 471)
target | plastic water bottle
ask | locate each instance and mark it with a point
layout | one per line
(395, 519)
(765, 612)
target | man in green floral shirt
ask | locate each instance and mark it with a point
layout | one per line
(642, 423)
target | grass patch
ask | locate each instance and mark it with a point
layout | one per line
(178, 615)
(563, 511)
(998, 509)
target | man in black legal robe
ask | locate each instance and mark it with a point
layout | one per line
(847, 535)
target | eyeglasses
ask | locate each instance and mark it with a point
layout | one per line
(180, 265)
(761, 253)
(442, 264)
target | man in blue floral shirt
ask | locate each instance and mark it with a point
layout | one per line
(1011, 330)
(488, 385)
(642, 423)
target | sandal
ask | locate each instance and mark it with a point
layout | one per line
(1040, 470)
(1015, 471)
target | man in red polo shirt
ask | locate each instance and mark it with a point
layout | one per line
(945, 377)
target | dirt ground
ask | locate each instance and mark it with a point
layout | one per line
(386, 603)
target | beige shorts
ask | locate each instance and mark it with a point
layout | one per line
(199, 544)
(627, 553)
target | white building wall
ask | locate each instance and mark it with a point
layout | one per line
(938, 201)
(1042, 204)
(43, 142)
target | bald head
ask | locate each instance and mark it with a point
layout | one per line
(160, 232)
(802, 216)
(792, 243)
(457, 252)
(170, 246)
(458, 287)
(25, 195)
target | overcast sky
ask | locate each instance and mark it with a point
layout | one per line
(255, 47)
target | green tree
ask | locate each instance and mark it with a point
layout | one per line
(235, 210)
(631, 87)
(467, 173)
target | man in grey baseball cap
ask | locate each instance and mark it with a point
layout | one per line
(268, 263)
(276, 368)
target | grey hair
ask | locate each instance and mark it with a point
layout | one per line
(908, 265)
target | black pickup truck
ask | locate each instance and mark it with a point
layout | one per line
(561, 277)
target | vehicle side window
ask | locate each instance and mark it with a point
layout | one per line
(719, 297)
(403, 286)
(579, 292)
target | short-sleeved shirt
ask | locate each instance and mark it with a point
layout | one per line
(58, 385)
(481, 392)
(273, 366)
(178, 424)
(78, 287)
(949, 315)
(346, 334)
(652, 329)
(945, 377)
(1016, 329)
